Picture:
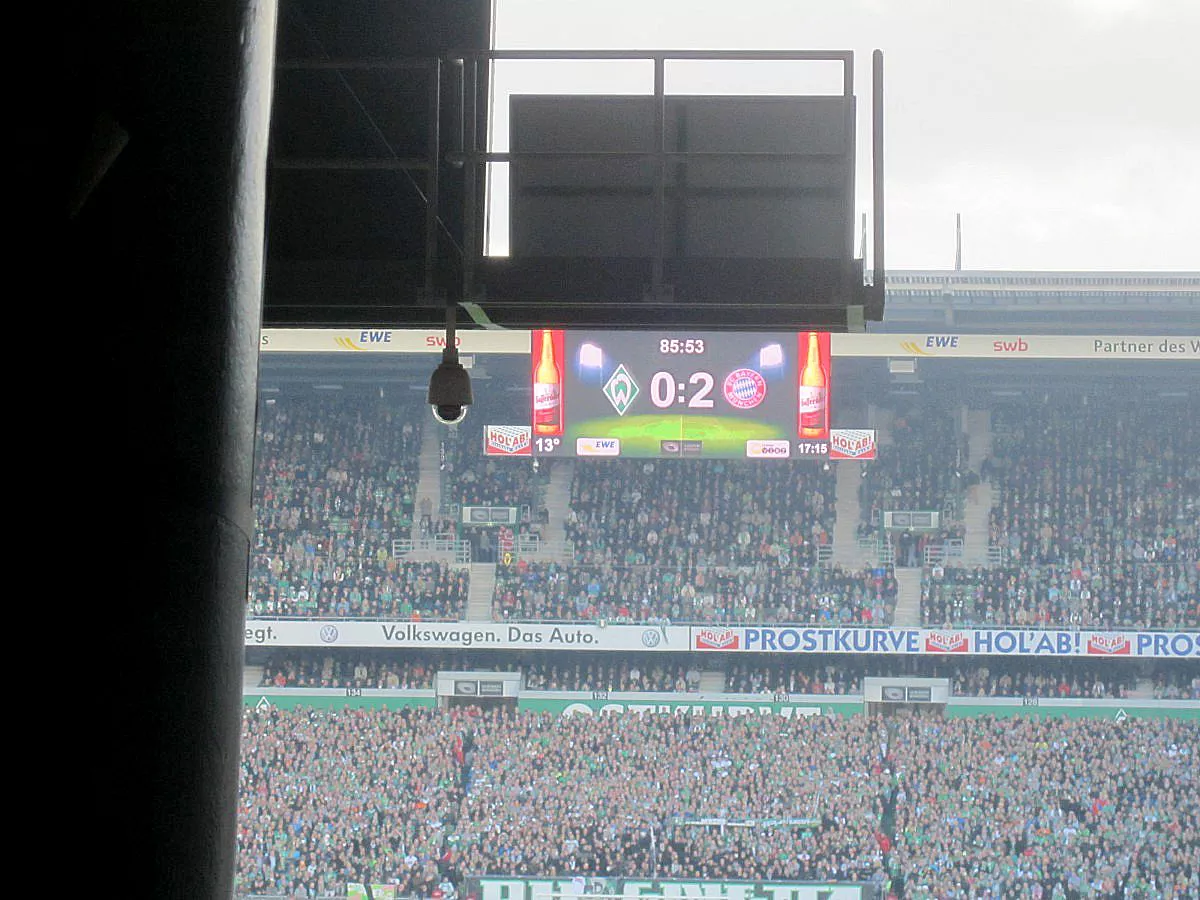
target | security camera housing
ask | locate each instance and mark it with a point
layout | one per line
(449, 414)
(450, 389)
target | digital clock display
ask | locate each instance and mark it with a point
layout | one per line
(713, 394)
(681, 345)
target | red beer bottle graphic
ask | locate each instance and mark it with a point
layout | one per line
(814, 392)
(547, 390)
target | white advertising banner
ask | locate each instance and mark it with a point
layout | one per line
(1017, 346)
(926, 641)
(463, 635)
(718, 639)
(948, 345)
(389, 340)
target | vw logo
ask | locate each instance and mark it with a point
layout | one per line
(329, 633)
(651, 638)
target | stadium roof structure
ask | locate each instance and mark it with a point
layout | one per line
(1045, 302)
(626, 211)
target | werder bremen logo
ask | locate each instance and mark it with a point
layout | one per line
(620, 390)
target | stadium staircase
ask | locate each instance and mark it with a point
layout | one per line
(908, 598)
(1144, 690)
(479, 597)
(252, 677)
(712, 681)
(846, 551)
(980, 499)
(429, 477)
(558, 500)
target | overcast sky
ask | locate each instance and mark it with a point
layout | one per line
(1067, 132)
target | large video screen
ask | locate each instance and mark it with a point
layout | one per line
(699, 395)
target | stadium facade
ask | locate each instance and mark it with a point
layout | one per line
(1048, 571)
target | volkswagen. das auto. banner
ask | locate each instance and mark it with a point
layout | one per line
(435, 635)
(920, 641)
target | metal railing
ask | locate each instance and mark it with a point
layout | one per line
(470, 69)
(940, 554)
(878, 549)
(533, 548)
(444, 548)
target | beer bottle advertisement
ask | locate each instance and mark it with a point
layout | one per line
(548, 395)
(813, 387)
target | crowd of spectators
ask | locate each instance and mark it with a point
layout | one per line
(920, 806)
(1095, 679)
(381, 669)
(380, 587)
(1175, 683)
(333, 488)
(921, 467)
(411, 670)
(603, 672)
(663, 594)
(681, 673)
(1086, 595)
(1096, 484)
(1049, 808)
(470, 477)
(983, 677)
(676, 513)
(811, 676)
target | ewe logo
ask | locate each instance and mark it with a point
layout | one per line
(585, 446)
(931, 345)
(367, 340)
(329, 634)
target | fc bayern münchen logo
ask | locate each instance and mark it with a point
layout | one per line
(651, 638)
(329, 633)
(745, 388)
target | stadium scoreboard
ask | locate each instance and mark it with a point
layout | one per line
(689, 395)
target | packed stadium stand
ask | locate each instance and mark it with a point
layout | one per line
(682, 673)
(1113, 595)
(1094, 524)
(919, 467)
(924, 806)
(1094, 484)
(1066, 501)
(633, 593)
(335, 481)
(472, 479)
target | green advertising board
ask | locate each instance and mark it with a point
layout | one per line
(664, 889)
(581, 703)
(1078, 709)
(363, 700)
(685, 706)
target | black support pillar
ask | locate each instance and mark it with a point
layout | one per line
(164, 222)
